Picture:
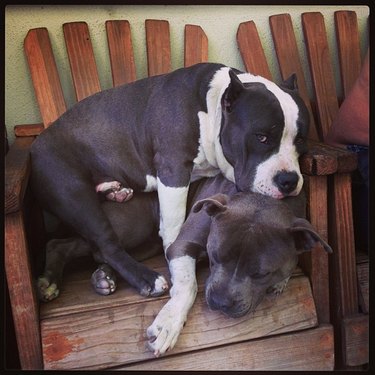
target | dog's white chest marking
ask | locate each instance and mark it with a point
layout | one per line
(167, 326)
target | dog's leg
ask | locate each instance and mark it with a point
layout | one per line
(114, 191)
(172, 202)
(103, 280)
(168, 324)
(58, 253)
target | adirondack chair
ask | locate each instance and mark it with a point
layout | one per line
(81, 330)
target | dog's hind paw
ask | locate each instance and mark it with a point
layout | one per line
(113, 191)
(47, 290)
(104, 280)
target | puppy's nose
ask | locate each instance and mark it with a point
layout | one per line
(220, 302)
(286, 182)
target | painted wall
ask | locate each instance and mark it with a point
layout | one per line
(220, 23)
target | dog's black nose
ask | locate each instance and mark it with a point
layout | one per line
(218, 301)
(286, 181)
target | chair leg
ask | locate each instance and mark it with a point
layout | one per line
(22, 293)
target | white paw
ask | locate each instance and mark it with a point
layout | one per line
(278, 288)
(164, 331)
(160, 287)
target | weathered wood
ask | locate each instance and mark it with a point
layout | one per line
(196, 45)
(281, 353)
(251, 50)
(44, 75)
(342, 240)
(120, 52)
(321, 69)
(28, 130)
(158, 47)
(363, 285)
(316, 262)
(323, 160)
(356, 340)
(22, 293)
(289, 60)
(81, 58)
(17, 171)
(347, 35)
(68, 339)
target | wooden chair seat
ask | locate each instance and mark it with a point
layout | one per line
(81, 330)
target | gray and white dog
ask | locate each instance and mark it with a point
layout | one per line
(160, 134)
(252, 243)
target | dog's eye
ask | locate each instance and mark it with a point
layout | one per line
(262, 138)
(259, 275)
(299, 140)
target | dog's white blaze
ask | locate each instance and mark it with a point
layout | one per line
(210, 122)
(172, 202)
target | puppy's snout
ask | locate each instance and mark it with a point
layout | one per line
(220, 301)
(286, 182)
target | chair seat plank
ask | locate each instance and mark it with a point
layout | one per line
(348, 47)
(81, 59)
(158, 47)
(289, 59)
(321, 69)
(44, 74)
(252, 51)
(196, 45)
(120, 52)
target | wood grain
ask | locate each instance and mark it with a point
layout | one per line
(120, 52)
(279, 353)
(321, 69)
(356, 340)
(81, 58)
(28, 130)
(347, 36)
(363, 285)
(252, 51)
(196, 45)
(289, 60)
(158, 47)
(21, 292)
(44, 75)
(69, 340)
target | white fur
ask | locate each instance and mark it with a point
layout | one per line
(210, 122)
(151, 184)
(172, 202)
(168, 324)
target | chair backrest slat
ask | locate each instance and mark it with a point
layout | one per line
(120, 52)
(81, 58)
(289, 59)
(196, 45)
(348, 47)
(252, 51)
(44, 75)
(322, 74)
(158, 47)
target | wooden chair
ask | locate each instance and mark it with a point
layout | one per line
(81, 330)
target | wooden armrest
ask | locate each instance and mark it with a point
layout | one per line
(17, 171)
(28, 130)
(322, 159)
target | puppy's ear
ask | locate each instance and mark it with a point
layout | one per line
(232, 92)
(290, 83)
(305, 237)
(213, 205)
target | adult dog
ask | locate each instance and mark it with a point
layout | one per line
(161, 133)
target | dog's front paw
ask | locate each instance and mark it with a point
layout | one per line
(113, 191)
(104, 280)
(164, 331)
(278, 288)
(47, 290)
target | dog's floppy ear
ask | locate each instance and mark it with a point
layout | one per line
(232, 92)
(290, 83)
(305, 237)
(213, 205)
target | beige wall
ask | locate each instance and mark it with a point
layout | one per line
(219, 22)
